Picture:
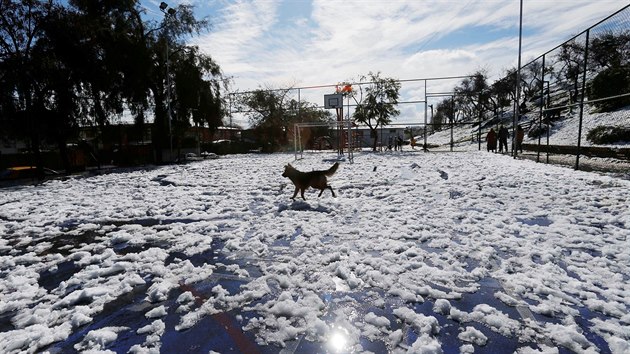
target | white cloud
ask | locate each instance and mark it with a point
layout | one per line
(401, 39)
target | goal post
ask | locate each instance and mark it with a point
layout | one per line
(336, 125)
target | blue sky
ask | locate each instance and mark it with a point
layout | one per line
(296, 43)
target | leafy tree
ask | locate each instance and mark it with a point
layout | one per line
(197, 99)
(268, 116)
(20, 29)
(502, 92)
(571, 60)
(378, 106)
(531, 79)
(609, 50)
(437, 119)
(84, 57)
(610, 82)
(87, 62)
(472, 95)
(445, 111)
(272, 114)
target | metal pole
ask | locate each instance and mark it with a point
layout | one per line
(295, 140)
(341, 130)
(452, 119)
(518, 82)
(577, 157)
(424, 147)
(231, 95)
(543, 104)
(168, 94)
(350, 152)
(299, 132)
(479, 127)
(548, 125)
(548, 132)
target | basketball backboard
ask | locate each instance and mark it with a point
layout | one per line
(334, 100)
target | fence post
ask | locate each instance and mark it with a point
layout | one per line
(517, 113)
(426, 107)
(295, 140)
(577, 156)
(543, 104)
(479, 126)
(452, 120)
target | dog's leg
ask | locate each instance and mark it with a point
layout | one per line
(322, 191)
(302, 193)
(295, 193)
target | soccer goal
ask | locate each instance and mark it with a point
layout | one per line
(341, 139)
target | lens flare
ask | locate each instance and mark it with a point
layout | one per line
(338, 341)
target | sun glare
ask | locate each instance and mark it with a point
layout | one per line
(338, 341)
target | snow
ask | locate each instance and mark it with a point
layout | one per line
(98, 339)
(414, 243)
(562, 133)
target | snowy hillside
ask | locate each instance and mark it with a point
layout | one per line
(563, 132)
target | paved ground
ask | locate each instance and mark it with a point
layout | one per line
(54, 258)
(223, 332)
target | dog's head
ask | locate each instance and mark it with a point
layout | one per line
(287, 170)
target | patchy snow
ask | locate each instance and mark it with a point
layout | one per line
(414, 245)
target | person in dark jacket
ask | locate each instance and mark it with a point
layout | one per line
(503, 138)
(491, 138)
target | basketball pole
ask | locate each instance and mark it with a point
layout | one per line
(518, 82)
(340, 130)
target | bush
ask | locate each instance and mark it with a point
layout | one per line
(608, 135)
(537, 131)
(610, 82)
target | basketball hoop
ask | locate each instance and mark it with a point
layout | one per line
(344, 89)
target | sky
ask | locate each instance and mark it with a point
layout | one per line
(307, 43)
(468, 252)
(296, 43)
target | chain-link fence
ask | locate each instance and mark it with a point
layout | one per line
(575, 98)
(298, 126)
(573, 102)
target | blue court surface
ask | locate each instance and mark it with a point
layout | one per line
(223, 332)
(417, 253)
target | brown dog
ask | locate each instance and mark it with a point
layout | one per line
(315, 179)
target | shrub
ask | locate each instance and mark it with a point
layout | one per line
(610, 82)
(608, 135)
(537, 131)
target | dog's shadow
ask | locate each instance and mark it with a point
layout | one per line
(300, 205)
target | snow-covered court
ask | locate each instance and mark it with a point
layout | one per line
(467, 252)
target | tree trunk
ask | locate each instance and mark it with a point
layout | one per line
(374, 133)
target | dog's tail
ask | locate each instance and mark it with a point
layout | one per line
(331, 171)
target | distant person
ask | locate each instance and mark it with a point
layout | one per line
(503, 138)
(399, 140)
(389, 143)
(412, 142)
(520, 135)
(491, 138)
